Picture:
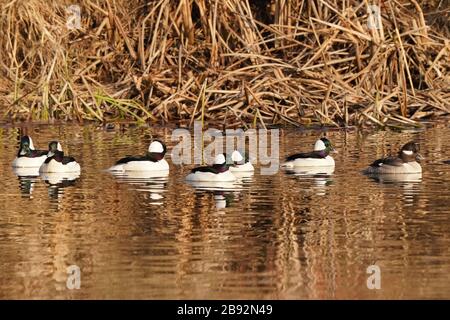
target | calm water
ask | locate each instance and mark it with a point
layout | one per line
(275, 237)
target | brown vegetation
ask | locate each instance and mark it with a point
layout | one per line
(234, 62)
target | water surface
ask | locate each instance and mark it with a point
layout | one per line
(282, 236)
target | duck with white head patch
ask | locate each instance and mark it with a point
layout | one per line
(153, 160)
(28, 157)
(320, 157)
(218, 172)
(57, 162)
(405, 162)
(239, 163)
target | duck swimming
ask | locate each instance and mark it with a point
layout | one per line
(57, 162)
(320, 157)
(218, 172)
(152, 161)
(28, 157)
(239, 163)
(405, 162)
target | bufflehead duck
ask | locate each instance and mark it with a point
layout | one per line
(405, 162)
(218, 172)
(239, 164)
(57, 162)
(152, 161)
(27, 157)
(320, 157)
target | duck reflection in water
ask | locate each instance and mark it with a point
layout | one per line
(216, 185)
(321, 177)
(27, 179)
(153, 183)
(409, 182)
(57, 182)
(223, 200)
(396, 178)
(224, 193)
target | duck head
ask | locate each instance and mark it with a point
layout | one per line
(323, 144)
(53, 148)
(220, 159)
(156, 150)
(220, 163)
(26, 145)
(157, 146)
(237, 158)
(410, 152)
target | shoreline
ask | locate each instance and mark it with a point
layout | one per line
(113, 125)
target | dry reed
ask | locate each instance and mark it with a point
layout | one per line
(232, 62)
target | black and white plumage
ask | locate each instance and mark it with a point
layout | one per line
(405, 162)
(319, 157)
(27, 156)
(240, 164)
(153, 160)
(57, 162)
(218, 172)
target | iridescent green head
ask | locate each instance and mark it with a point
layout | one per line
(26, 145)
(53, 148)
(323, 144)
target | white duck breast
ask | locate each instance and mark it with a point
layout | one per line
(26, 171)
(246, 167)
(58, 177)
(142, 165)
(393, 177)
(405, 168)
(140, 174)
(54, 166)
(226, 176)
(146, 163)
(328, 161)
(27, 162)
(216, 173)
(310, 171)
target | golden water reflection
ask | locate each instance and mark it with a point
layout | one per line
(297, 235)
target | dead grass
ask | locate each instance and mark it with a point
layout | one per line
(233, 62)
